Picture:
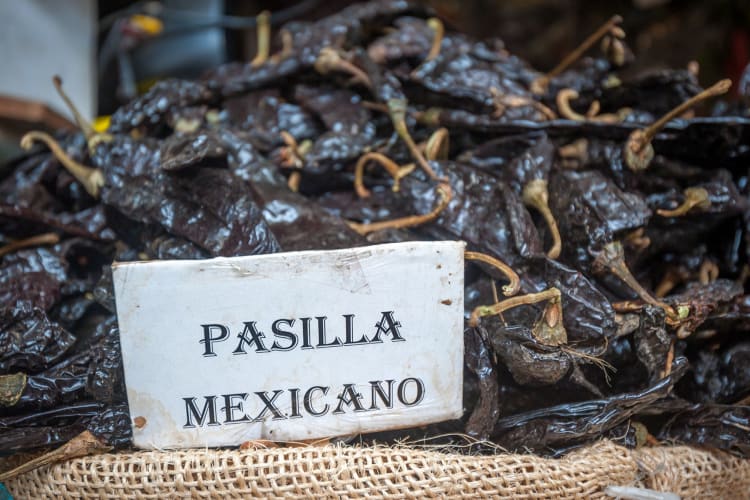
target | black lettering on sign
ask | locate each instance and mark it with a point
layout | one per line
(409, 392)
(308, 401)
(209, 410)
(418, 395)
(306, 333)
(379, 392)
(294, 395)
(349, 397)
(257, 339)
(322, 334)
(230, 407)
(285, 334)
(350, 332)
(387, 325)
(208, 339)
(269, 406)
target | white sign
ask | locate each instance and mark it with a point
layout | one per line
(292, 346)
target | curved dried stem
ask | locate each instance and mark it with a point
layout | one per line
(502, 101)
(671, 279)
(438, 145)
(575, 154)
(83, 124)
(263, 31)
(295, 178)
(566, 111)
(292, 155)
(93, 138)
(91, 178)
(445, 194)
(287, 46)
(82, 445)
(694, 198)
(33, 241)
(694, 68)
(330, 60)
(435, 25)
(500, 307)
(397, 112)
(535, 194)
(637, 239)
(389, 165)
(638, 151)
(539, 85)
(708, 272)
(612, 259)
(514, 284)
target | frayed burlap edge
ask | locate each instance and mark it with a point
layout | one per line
(400, 472)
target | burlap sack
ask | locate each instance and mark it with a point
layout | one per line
(328, 471)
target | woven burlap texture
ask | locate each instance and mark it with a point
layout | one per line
(398, 472)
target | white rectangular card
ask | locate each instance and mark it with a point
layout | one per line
(292, 346)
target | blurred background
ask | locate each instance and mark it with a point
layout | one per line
(109, 51)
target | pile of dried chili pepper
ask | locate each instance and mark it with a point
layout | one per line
(625, 217)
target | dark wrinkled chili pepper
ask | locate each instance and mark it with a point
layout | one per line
(549, 428)
(29, 341)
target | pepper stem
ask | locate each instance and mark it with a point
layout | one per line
(539, 85)
(443, 191)
(511, 288)
(612, 259)
(82, 445)
(39, 239)
(330, 60)
(435, 25)
(389, 165)
(438, 145)
(287, 46)
(91, 178)
(638, 150)
(535, 194)
(263, 30)
(694, 198)
(708, 272)
(83, 124)
(11, 388)
(92, 136)
(563, 99)
(549, 330)
(397, 112)
(500, 307)
(293, 156)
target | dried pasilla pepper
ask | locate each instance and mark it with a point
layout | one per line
(94, 372)
(111, 424)
(349, 124)
(264, 115)
(305, 41)
(478, 79)
(550, 428)
(150, 110)
(524, 163)
(593, 211)
(203, 205)
(721, 376)
(483, 211)
(717, 426)
(296, 223)
(479, 363)
(29, 341)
